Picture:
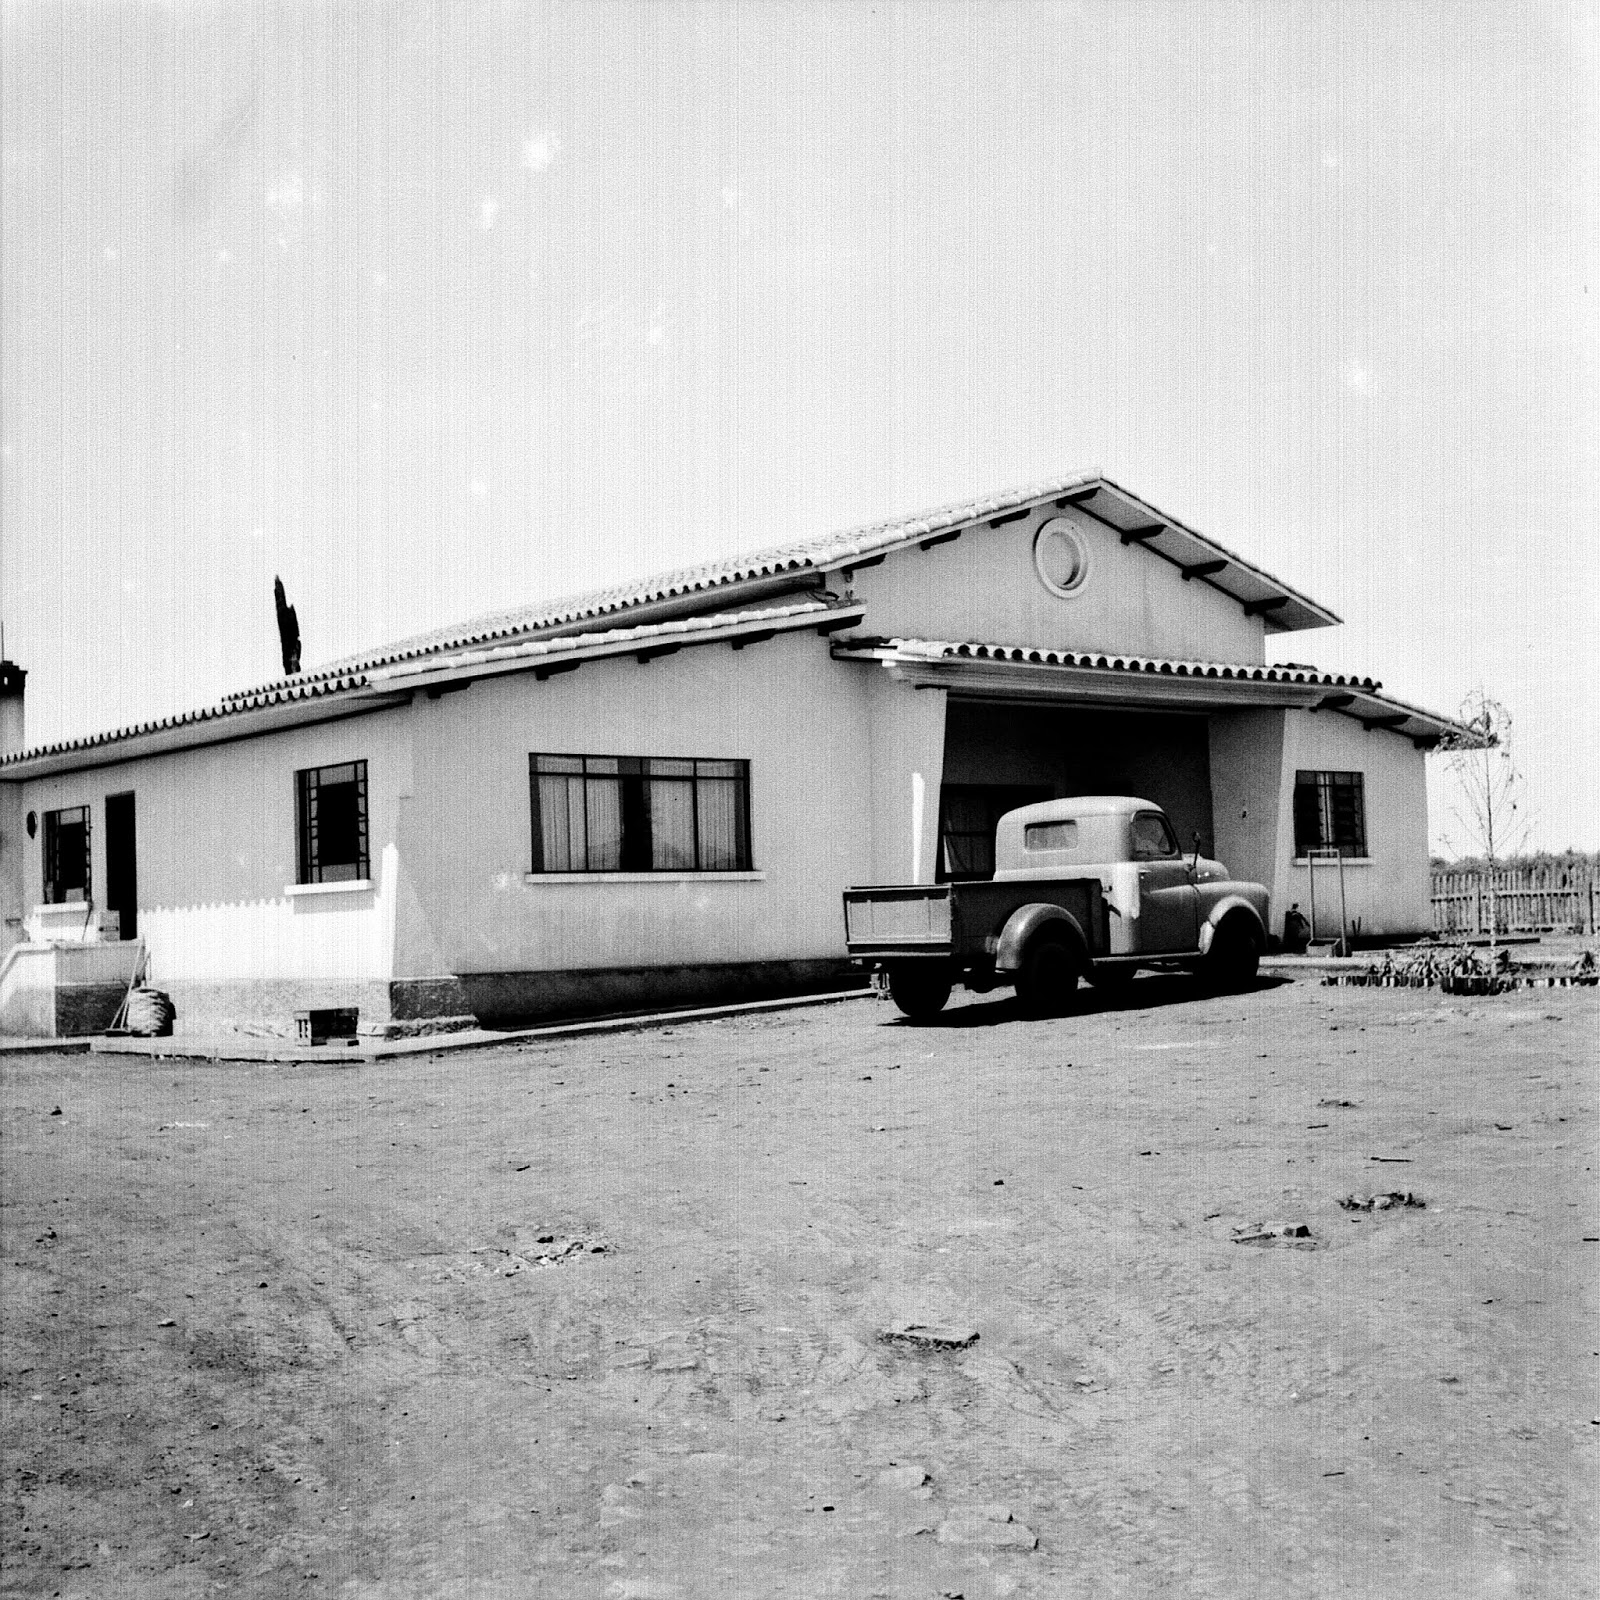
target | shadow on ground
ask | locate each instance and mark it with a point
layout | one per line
(1146, 993)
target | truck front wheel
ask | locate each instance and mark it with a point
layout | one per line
(1233, 958)
(919, 990)
(1048, 978)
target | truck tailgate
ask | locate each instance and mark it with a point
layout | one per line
(913, 920)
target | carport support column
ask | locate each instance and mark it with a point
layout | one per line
(13, 890)
(907, 754)
(1252, 802)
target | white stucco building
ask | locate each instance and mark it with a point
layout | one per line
(658, 792)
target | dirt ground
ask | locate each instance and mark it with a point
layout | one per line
(602, 1318)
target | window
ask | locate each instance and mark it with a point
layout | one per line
(1060, 557)
(1152, 838)
(968, 813)
(332, 806)
(66, 855)
(639, 814)
(1330, 812)
(1050, 836)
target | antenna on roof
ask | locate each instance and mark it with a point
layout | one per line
(288, 629)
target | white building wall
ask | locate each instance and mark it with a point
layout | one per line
(984, 586)
(1247, 799)
(799, 719)
(1389, 890)
(216, 850)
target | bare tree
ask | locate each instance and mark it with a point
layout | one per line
(1489, 790)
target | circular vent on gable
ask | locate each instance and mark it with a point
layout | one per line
(1061, 556)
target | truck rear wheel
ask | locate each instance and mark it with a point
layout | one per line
(919, 990)
(1048, 979)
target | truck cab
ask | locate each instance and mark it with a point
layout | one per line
(1095, 886)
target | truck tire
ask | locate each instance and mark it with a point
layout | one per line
(1233, 959)
(919, 990)
(1048, 977)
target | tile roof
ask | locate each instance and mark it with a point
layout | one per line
(1362, 693)
(231, 706)
(1106, 661)
(815, 555)
(381, 682)
(614, 641)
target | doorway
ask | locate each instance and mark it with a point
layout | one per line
(122, 863)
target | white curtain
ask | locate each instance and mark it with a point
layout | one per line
(719, 825)
(603, 819)
(671, 824)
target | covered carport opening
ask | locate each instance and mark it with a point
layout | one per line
(999, 755)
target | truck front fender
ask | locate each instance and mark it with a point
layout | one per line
(1027, 921)
(1231, 905)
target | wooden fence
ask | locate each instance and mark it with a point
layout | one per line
(1518, 899)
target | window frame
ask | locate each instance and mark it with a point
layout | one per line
(308, 868)
(52, 855)
(632, 778)
(1171, 853)
(1326, 787)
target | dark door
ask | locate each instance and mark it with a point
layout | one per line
(968, 814)
(122, 863)
(1168, 900)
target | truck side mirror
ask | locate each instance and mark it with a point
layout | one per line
(1194, 864)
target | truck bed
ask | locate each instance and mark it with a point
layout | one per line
(960, 921)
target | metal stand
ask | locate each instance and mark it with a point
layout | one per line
(1320, 854)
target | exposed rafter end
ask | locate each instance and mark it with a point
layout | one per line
(852, 568)
(1138, 535)
(1010, 516)
(1202, 569)
(1334, 702)
(941, 538)
(1397, 720)
(541, 673)
(644, 656)
(833, 624)
(752, 638)
(1077, 498)
(1259, 608)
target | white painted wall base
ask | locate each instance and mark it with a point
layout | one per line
(54, 991)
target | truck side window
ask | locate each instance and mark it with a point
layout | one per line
(1050, 836)
(1152, 838)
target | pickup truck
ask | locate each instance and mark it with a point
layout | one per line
(1093, 887)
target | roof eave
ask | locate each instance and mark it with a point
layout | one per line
(223, 728)
(395, 686)
(994, 671)
(651, 640)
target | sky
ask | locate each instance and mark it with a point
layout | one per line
(436, 308)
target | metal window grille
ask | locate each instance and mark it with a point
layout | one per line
(638, 814)
(1330, 813)
(66, 855)
(331, 803)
